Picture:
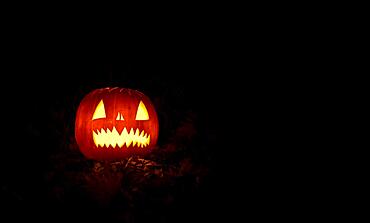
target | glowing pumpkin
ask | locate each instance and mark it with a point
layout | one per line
(114, 123)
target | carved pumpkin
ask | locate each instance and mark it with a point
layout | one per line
(114, 123)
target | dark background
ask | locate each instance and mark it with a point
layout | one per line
(233, 85)
(185, 77)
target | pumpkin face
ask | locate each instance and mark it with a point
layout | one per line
(114, 123)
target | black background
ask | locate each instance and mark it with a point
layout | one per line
(209, 70)
(46, 78)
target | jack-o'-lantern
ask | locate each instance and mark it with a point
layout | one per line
(115, 123)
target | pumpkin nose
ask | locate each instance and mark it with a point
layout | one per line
(120, 116)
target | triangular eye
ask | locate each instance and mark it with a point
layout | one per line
(99, 111)
(119, 116)
(142, 113)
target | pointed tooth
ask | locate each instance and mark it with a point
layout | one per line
(136, 137)
(120, 142)
(109, 138)
(115, 132)
(133, 137)
(115, 137)
(95, 138)
(98, 139)
(146, 139)
(120, 138)
(124, 132)
(105, 138)
(102, 137)
(142, 133)
(128, 142)
(128, 138)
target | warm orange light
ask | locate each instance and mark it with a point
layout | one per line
(114, 123)
(114, 139)
(119, 116)
(142, 113)
(99, 111)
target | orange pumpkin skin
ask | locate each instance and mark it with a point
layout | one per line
(118, 135)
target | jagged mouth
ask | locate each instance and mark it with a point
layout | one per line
(112, 138)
